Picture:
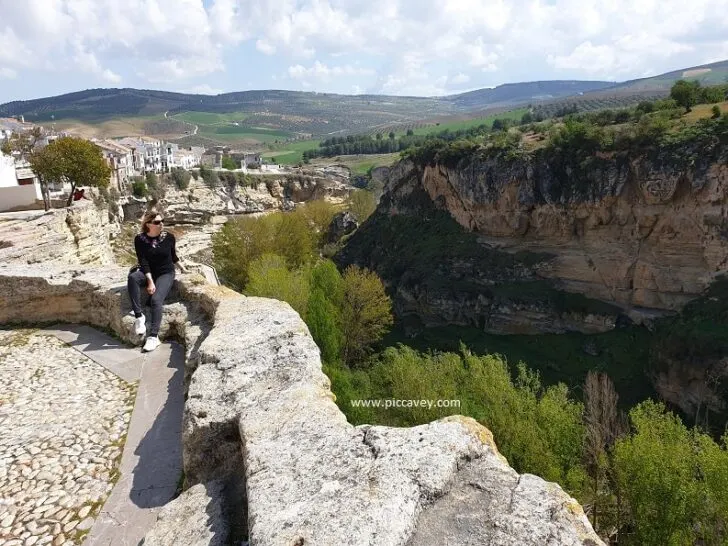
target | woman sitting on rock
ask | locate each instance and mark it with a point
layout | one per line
(157, 256)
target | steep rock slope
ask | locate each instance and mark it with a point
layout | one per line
(637, 236)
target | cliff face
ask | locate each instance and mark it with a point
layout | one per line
(647, 233)
(199, 202)
(76, 235)
(548, 252)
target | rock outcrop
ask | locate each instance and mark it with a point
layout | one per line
(77, 235)
(199, 203)
(276, 458)
(341, 225)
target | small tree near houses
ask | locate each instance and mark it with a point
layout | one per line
(74, 160)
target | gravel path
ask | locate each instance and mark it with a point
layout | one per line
(63, 422)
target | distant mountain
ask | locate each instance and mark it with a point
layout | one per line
(515, 93)
(707, 74)
(97, 104)
(276, 114)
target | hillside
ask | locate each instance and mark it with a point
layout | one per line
(519, 93)
(707, 74)
(269, 117)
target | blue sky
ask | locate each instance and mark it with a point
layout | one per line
(399, 47)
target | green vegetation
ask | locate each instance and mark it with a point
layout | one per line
(229, 163)
(277, 256)
(181, 178)
(362, 204)
(689, 93)
(139, 187)
(290, 153)
(210, 118)
(614, 467)
(69, 159)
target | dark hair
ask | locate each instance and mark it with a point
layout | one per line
(150, 215)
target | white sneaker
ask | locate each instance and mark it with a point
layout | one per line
(140, 325)
(151, 343)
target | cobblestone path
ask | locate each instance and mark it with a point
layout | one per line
(63, 422)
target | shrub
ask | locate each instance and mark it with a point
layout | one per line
(181, 178)
(270, 277)
(229, 163)
(716, 112)
(362, 203)
(209, 176)
(139, 188)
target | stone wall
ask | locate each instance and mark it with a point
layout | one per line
(272, 456)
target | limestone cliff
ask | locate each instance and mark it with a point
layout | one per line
(277, 460)
(643, 234)
(199, 203)
(76, 235)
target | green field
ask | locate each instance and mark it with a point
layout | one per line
(516, 114)
(291, 153)
(209, 118)
(219, 127)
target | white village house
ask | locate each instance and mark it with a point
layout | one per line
(20, 188)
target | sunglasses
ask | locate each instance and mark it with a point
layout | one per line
(156, 222)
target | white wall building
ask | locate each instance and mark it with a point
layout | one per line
(19, 187)
(121, 160)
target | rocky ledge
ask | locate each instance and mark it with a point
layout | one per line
(269, 456)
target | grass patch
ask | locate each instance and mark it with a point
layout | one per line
(210, 118)
(291, 153)
(516, 114)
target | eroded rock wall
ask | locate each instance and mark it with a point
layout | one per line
(75, 235)
(647, 233)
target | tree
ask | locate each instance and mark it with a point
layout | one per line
(270, 277)
(229, 163)
(181, 178)
(74, 160)
(672, 479)
(362, 203)
(366, 312)
(715, 112)
(603, 427)
(47, 166)
(712, 93)
(685, 93)
(410, 132)
(391, 135)
(324, 310)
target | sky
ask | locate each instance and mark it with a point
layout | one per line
(395, 47)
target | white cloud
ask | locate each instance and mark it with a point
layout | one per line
(170, 39)
(323, 73)
(460, 78)
(8, 74)
(416, 46)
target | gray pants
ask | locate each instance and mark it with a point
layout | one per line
(136, 282)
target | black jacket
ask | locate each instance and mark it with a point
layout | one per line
(156, 255)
